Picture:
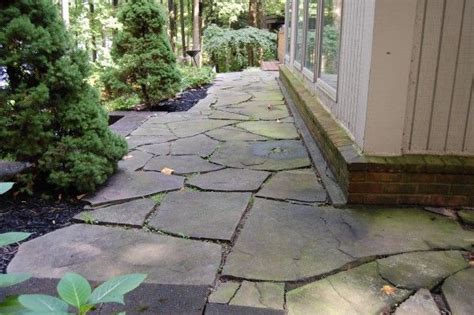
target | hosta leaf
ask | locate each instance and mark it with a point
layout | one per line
(12, 237)
(7, 280)
(40, 303)
(4, 187)
(74, 289)
(114, 289)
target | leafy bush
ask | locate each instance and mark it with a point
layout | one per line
(143, 55)
(234, 50)
(193, 77)
(49, 114)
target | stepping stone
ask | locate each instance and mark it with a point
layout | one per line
(421, 303)
(181, 164)
(125, 185)
(467, 216)
(217, 114)
(168, 118)
(184, 129)
(230, 180)
(99, 253)
(259, 110)
(273, 155)
(156, 131)
(198, 145)
(156, 149)
(283, 242)
(300, 185)
(260, 294)
(9, 169)
(208, 215)
(289, 242)
(224, 292)
(271, 129)
(457, 291)
(231, 99)
(137, 141)
(221, 309)
(134, 160)
(421, 269)
(234, 134)
(357, 291)
(133, 213)
(268, 96)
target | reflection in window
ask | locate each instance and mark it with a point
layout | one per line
(331, 33)
(299, 32)
(288, 26)
(311, 34)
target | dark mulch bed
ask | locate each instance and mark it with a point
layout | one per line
(33, 215)
(181, 103)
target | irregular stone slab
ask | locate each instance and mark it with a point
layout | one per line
(224, 292)
(284, 242)
(266, 155)
(198, 145)
(260, 294)
(8, 169)
(271, 129)
(234, 134)
(156, 149)
(168, 118)
(357, 291)
(457, 291)
(156, 130)
(467, 216)
(134, 160)
(217, 114)
(230, 180)
(181, 164)
(147, 299)
(301, 185)
(99, 253)
(421, 303)
(268, 96)
(209, 215)
(192, 128)
(231, 99)
(289, 242)
(125, 185)
(224, 309)
(137, 141)
(421, 269)
(133, 212)
(259, 110)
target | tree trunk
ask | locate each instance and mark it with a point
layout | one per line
(252, 17)
(65, 12)
(260, 21)
(183, 33)
(172, 16)
(196, 31)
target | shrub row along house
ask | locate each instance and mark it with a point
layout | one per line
(386, 89)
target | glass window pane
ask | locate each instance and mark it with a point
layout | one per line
(299, 32)
(311, 24)
(330, 43)
(289, 11)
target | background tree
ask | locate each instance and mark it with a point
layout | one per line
(49, 114)
(142, 52)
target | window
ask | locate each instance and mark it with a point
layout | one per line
(311, 27)
(299, 32)
(289, 11)
(330, 42)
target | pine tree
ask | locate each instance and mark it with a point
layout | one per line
(49, 114)
(143, 54)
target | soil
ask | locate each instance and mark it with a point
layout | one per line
(181, 103)
(33, 215)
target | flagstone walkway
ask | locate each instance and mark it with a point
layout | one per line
(245, 226)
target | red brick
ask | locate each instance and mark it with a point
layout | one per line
(356, 198)
(384, 177)
(467, 190)
(361, 187)
(414, 199)
(399, 188)
(419, 178)
(449, 201)
(433, 189)
(357, 176)
(381, 199)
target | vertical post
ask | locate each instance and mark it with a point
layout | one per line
(196, 30)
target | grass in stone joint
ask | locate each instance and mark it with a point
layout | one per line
(88, 218)
(158, 198)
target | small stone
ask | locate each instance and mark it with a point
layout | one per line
(458, 290)
(421, 303)
(230, 180)
(130, 213)
(467, 216)
(181, 164)
(260, 294)
(224, 292)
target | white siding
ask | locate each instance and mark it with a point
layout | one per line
(440, 117)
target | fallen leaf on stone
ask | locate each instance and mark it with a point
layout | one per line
(167, 171)
(388, 290)
(269, 106)
(278, 121)
(450, 213)
(126, 157)
(80, 196)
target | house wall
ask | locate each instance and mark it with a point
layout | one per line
(440, 115)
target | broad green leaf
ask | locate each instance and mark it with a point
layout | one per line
(114, 289)
(12, 237)
(7, 280)
(40, 303)
(74, 289)
(4, 187)
(11, 305)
